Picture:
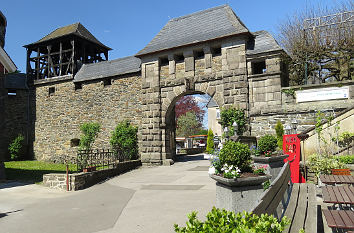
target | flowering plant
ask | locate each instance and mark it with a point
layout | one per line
(268, 153)
(227, 171)
(260, 170)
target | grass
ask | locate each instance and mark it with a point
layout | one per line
(33, 171)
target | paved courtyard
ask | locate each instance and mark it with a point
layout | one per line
(148, 199)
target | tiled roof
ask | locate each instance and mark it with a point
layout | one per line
(201, 26)
(15, 81)
(105, 69)
(263, 42)
(74, 29)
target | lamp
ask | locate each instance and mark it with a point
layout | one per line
(288, 129)
(226, 131)
(294, 125)
(235, 128)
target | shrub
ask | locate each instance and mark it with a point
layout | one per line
(231, 115)
(279, 130)
(347, 159)
(223, 221)
(320, 164)
(16, 148)
(236, 154)
(124, 140)
(267, 143)
(210, 142)
(89, 132)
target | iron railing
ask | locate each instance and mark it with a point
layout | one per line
(99, 159)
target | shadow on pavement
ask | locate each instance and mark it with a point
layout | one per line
(12, 184)
(187, 158)
(7, 213)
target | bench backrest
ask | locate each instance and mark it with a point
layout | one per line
(271, 198)
(343, 172)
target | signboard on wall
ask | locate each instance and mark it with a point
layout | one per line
(330, 93)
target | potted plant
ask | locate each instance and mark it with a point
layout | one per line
(266, 154)
(238, 188)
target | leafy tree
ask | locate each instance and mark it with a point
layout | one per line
(89, 132)
(188, 125)
(323, 58)
(203, 132)
(16, 148)
(124, 140)
(231, 115)
(188, 104)
(279, 130)
(210, 142)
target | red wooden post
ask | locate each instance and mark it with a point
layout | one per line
(291, 147)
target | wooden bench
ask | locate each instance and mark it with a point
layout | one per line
(341, 219)
(296, 201)
(343, 172)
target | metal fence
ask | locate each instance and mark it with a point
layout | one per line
(88, 160)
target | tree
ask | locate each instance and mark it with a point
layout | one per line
(322, 53)
(188, 125)
(279, 130)
(210, 142)
(89, 132)
(124, 140)
(188, 104)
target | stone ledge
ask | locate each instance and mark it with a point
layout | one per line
(82, 180)
(54, 79)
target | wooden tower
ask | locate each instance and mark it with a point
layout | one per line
(63, 51)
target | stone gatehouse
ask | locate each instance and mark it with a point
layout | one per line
(209, 52)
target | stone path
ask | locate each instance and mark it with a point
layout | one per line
(149, 199)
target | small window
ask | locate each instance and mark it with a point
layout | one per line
(163, 61)
(107, 82)
(74, 142)
(199, 54)
(259, 67)
(179, 58)
(51, 90)
(216, 51)
(78, 86)
(11, 92)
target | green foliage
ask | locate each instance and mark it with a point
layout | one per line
(266, 185)
(188, 125)
(231, 115)
(223, 221)
(320, 164)
(345, 139)
(279, 130)
(203, 132)
(89, 132)
(236, 154)
(125, 139)
(289, 92)
(346, 159)
(16, 148)
(210, 142)
(267, 143)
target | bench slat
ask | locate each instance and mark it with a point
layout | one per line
(329, 218)
(300, 214)
(311, 218)
(346, 219)
(290, 210)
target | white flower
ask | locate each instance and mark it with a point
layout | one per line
(211, 170)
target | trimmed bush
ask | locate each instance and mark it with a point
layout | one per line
(347, 159)
(279, 130)
(89, 132)
(236, 154)
(267, 143)
(223, 221)
(16, 148)
(124, 140)
(321, 164)
(210, 142)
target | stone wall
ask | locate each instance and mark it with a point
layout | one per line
(60, 108)
(82, 180)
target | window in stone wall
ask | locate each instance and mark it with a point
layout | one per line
(179, 58)
(78, 86)
(259, 67)
(199, 54)
(107, 82)
(74, 142)
(216, 51)
(51, 90)
(163, 61)
(11, 92)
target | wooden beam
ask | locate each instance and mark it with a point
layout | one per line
(60, 58)
(73, 56)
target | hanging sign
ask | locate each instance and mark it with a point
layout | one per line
(322, 94)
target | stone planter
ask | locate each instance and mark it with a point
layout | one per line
(275, 163)
(238, 194)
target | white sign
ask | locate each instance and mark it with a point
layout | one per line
(322, 94)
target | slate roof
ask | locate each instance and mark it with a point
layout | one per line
(15, 81)
(76, 29)
(105, 69)
(263, 42)
(201, 26)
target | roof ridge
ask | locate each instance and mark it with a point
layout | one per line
(199, 12)
(110, 61)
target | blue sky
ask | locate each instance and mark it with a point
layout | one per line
(127, 26)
